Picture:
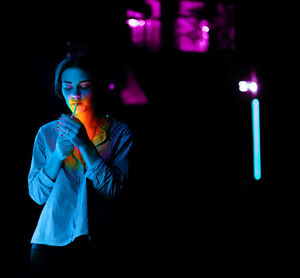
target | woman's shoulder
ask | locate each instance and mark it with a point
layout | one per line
(49, 125)
(48, 128)
(119, 127)
(46, 133)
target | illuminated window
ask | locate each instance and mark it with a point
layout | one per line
(191, 31)
(146, 32)
(195, 22)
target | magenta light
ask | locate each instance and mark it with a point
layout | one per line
(203, 22)
(204, 26)
(253, 87)
(155, 8)
(134, 14)
(111, 86)
(132, 22)
(192, 32)
(146, 32)
(192, 35)
(188, 8)
(243, 86)
(132, 93)
(205, 29)
(248, 86)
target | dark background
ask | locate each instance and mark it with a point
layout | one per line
(192, 164)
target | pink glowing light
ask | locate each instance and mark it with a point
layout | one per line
(134, 14)
(205, 29)
(192, 28)
(203, 23)
(248, 86)
(111, 86)
(192, 33)
(189, 8)
(253, 87)
(243, 86)
(146, 32)
(132, 93)
(137, 27)
(132, 22)
(155, 8)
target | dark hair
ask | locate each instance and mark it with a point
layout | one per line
(84, 62)
(99, 68)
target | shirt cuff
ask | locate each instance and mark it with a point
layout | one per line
(45, 180)
(94, 170)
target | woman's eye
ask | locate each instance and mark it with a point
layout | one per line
(68, 86)
(85, 85)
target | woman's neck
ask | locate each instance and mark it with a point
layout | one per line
(90, 122)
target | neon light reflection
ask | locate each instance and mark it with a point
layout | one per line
(248, 86)
(256, 139)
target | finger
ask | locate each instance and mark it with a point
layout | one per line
(62, 128)
(58, 129)
(65, 143)
(66, 124)
(64, 132)
(69, 121)
(62, 138)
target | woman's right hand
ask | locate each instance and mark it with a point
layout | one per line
(63, 147)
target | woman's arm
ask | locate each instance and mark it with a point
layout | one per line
(53, 166)
(63, 148)
(109, 180)
(39, 184)
(44, 170)
(89, 153)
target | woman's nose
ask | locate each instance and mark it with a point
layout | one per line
(76, 95)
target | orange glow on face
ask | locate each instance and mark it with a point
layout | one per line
(83, 105)
(77, 88)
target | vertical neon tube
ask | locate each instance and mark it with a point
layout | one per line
(256, 139)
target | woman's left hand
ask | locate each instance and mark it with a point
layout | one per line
(73, 130)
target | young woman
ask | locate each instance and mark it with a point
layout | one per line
(79, 162)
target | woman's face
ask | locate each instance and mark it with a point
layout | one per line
(77, 87)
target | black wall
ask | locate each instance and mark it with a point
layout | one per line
(193, 140)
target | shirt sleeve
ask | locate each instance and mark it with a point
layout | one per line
(39, 184)
(109, 180)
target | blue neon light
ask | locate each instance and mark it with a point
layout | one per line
(256, 139)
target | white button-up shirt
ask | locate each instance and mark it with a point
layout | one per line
(64, 216)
